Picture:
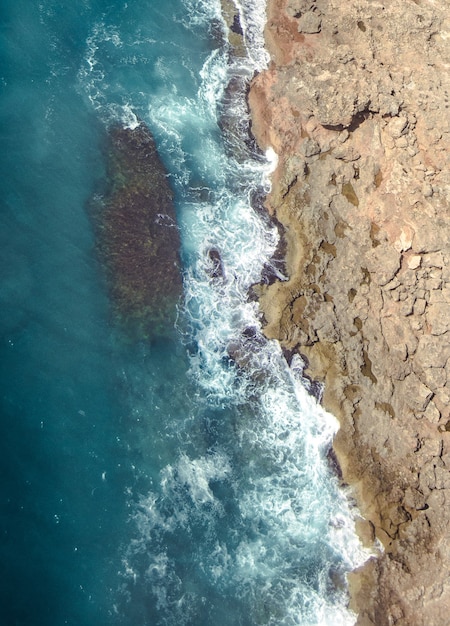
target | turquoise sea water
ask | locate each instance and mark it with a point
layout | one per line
(149, 483)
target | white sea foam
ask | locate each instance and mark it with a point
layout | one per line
(294, 524)
(272, 160)
(200, 13)
(196, 475)
(249, 495)
(253, 19)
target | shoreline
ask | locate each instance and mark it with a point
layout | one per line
(355, 104)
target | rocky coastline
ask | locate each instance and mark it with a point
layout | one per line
(356, 104)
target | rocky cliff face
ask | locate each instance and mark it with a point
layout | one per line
(356, 104)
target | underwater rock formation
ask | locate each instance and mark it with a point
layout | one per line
(137, 234)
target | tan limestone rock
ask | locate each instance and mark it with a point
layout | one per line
(356, 104)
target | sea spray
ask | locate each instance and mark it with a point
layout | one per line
(247, 523)
(239, 518)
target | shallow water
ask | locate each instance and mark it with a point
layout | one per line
(172, 482)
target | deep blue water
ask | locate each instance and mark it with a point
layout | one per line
(148, 483)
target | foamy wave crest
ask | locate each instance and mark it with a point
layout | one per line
(267, 527)
(248, 521)
(91, 74)
(253, 19)
(105, 57)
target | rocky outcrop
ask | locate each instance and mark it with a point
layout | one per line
(137, 235)
(356, 104)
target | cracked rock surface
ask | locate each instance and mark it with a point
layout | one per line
(356, 104)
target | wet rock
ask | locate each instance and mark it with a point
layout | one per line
(235, 32)
(236, 25)
(244, 352)
(215, 267)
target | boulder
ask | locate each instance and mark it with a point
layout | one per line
(310, 23)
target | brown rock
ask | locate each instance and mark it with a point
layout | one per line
(310, 22)
(358, 113)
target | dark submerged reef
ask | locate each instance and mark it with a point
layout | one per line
(137, 235)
